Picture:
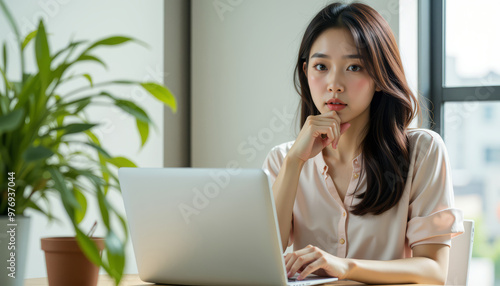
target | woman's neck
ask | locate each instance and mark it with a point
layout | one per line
(349, 145)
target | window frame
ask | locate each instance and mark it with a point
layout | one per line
(431, 67)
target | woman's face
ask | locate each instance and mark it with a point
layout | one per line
(334, 77)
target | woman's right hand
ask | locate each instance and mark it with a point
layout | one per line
(309, 142)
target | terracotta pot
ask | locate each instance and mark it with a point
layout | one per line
(66, 263)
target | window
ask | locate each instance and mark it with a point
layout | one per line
(459, 71)
(471, 49)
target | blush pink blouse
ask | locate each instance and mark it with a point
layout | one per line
(424, 215)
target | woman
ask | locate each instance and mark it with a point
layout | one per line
(359, 194)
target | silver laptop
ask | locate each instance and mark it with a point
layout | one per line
(194, 226)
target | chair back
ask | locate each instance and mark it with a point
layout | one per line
(460, 255)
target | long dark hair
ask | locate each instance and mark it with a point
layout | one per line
(385, 148)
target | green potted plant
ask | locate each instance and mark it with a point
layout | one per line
(39, 125)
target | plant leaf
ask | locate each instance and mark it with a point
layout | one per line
(76, 101)
(105, 174)
(17, 87)
(115, 253)
(143, 128)
(68, 199)
(75, 128)
(111, 41)
(7, 82)
(37, 153)
(82, 202)
(4, 105)
(11, 120)
(28, 88)
(42, 55)
(33, 205)
(98, 148)
(74, 172)
(133, 109)
(103, 206)
(28, 38)
(86, 57)
(93, 137)
(161, 93)
(88, 247)
(89, 78)
(58, 72)
(4, 54)
(70, 46)
(81, 105)
(121, 162)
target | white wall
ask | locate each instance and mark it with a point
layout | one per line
(243, 55)
(408, 44)
(93, 20)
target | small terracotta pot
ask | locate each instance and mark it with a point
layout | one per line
(66, 263)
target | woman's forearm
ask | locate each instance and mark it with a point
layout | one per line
(284, 192)
(409, 270)
(424, 270)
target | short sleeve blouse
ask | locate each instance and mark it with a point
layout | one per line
(424, 215)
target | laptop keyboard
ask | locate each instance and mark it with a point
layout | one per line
(311, 278)
(294, 279)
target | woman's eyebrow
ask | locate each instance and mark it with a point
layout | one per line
(321, 55)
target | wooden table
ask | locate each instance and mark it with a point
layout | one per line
(133, 280)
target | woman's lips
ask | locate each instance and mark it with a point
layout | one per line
(336, 106)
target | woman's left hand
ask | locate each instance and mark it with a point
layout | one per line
(311, 259)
